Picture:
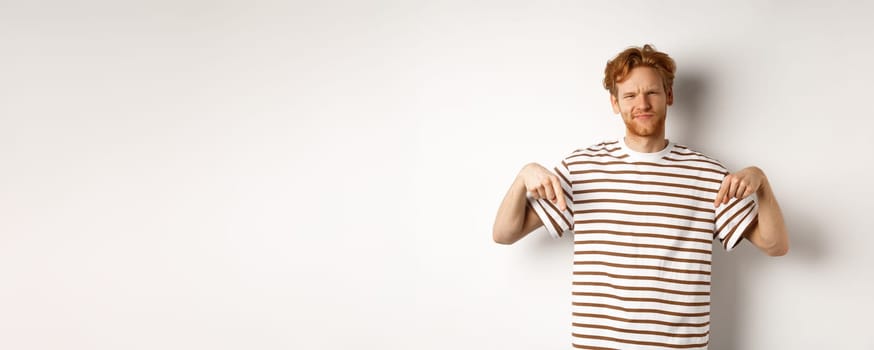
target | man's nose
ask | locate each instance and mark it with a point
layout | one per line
(643, 102)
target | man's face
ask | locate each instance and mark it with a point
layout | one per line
(642, 101)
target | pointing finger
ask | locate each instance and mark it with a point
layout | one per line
(548, 189)
(722, 189)
(741, 190)
(559, 195)
(732, 191)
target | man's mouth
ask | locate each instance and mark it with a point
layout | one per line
(643, 116)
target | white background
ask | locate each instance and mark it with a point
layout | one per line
(291, 175)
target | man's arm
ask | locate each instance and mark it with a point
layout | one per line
(768, 233)
(515, 219)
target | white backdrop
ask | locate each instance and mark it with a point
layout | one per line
(291, 175)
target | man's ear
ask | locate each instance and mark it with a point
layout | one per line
(670, 95)
(615, 103)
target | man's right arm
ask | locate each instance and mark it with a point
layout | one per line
(515, 218)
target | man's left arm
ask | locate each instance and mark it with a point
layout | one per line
(768, 232)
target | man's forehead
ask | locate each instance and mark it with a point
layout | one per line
(641, 78)
(629, 85)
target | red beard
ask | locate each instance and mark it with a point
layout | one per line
(645, 128)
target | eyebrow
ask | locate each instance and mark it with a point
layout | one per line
(648, 89)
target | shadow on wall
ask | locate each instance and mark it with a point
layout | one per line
(690, 90)
(729, 269)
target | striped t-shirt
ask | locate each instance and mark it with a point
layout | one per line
(643, 225)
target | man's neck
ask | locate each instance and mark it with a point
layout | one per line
(646, 144)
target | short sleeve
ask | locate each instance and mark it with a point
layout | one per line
(733, 219)
(557, 221)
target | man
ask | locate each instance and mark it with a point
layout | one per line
(644, 212)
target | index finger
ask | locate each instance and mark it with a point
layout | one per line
(722, 189)
(559, 194)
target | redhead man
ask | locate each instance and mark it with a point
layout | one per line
(644, 212)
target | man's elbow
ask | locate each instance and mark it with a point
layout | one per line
(502, 237)
(778, 249)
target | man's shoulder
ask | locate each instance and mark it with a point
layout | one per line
(603, 148)
(682, 153)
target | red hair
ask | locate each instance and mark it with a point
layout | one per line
(620, 66)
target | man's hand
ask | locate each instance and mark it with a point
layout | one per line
(740, 185)
(542, 183)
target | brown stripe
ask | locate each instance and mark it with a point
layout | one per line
(598, 155)
(686, 154)
(745, 208)
(652, 183)
(719, 170)
(750, 227)
(649, 289)
(561, 173)
(653, 173)
(548, 216)
(726, 208)
(660, 204)
(651, 235)
(628, 320)
(569, 198)
(637, 342)
(634, 331)
(653, 311)
(605, 143)
(679, 166)
(649, 193)
(692, 160)
(642, 300)
(643, 213)
(644, 256)
(560, 213)
(638, 245)
(693, 153)
(649, 278)
(596, 149)
(619, 222)
(644, 267)
(731, 234)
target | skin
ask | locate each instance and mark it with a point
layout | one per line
(642, 101)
